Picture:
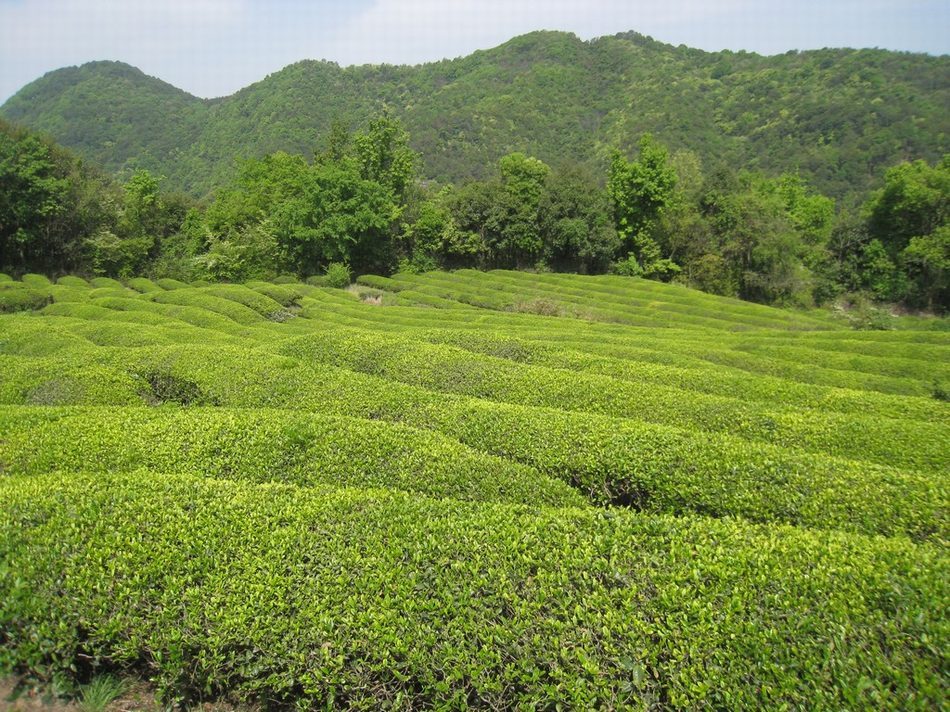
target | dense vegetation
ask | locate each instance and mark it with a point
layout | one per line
(837, 117)
(471, 490)
(360, 204)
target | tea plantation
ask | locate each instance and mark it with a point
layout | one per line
(471, 490)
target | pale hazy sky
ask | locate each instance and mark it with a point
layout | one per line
(214, 47)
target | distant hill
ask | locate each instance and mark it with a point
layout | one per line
(838, 116)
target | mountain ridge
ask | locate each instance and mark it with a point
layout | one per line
(838, 116)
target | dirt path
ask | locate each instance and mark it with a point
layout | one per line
(137, 698)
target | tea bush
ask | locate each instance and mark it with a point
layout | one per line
(37, 281)
(141, 284)
(364, 598)
(279, 446)
(609, 460)
(442, 368)
(279, 494)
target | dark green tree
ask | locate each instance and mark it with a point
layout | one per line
(522, 187)
(910, 219)
(576, 224)
(50, 203)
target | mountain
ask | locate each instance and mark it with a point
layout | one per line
(838, 116)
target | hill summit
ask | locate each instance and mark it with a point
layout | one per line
(838, 116)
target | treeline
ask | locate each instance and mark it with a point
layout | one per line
(59, 215)
(361, 202)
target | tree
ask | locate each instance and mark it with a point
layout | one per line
(383, 155)
(576, 226)
(142, 211)
(433, 239)
(914, 202)
(342, 217)
(639, 191)
(32, 195)
(759, 240)
(928, 265)
(522, 181)
(910, 219)
(339, 143)
(251, 253)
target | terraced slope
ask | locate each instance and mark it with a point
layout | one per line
(471, 490)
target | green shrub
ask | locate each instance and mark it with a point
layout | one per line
(645, 466)
(333, 598)
(55, 381)
(64, 293)
(262, 446)
(628, 267)
(287, 295)
(377, 282)
(24, 299)
(198, 298)
(410, 296)
(24, 335)
(71, 281)
(261, 303)
(167, 283)
(669, 371)
(446, 369)
(37, 281)
(941, 392)
(141, 284)
(338, 275)
(106, 282)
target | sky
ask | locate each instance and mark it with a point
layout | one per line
(214, 47)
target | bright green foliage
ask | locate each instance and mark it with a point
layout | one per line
(338, 275)
(284, 213)
(19, 297)
(914, 201)
(639, 191)
(383, 155)
(469, 489)
(168, 284)
(355, 598)
(522, 180)
(142, 205)
(141, 284)
(576, 223)
(36, 281)
(609, 460)
(206, 299)
(446, 369)
(39, 186)
(272, 446)
(909, 220)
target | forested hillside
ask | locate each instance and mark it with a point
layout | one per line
(837, 117)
